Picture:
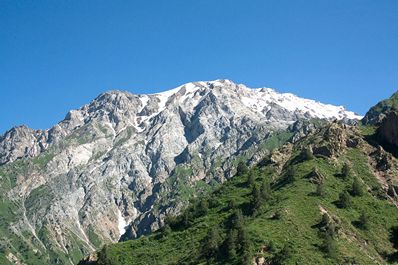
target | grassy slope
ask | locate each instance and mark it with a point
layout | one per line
(297, 228)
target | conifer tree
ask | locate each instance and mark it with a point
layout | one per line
(344, 200)
(212, 242)
(265, 190)
(357, 188)
(346, 171)
(241, 168)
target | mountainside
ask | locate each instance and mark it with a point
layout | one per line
(116, 167)
(378, 112)
(329, 198)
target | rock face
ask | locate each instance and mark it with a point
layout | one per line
(377, 113)
(388, 130)
(21, 142)
(117, 166)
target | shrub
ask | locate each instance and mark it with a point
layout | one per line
(325, 220)
(329, 246)
(363, 221)
(346, 171)
(320, 190)
(357, 188)
(202, 207)
(289, 175)
(266, 190)
(307, 154)
(282, 256)
(242, 168)
(344, 200)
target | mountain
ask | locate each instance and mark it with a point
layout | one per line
(116, 167)
(329, 198)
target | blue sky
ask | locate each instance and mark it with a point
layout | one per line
(59, 55)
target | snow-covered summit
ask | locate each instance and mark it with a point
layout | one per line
(260, 100)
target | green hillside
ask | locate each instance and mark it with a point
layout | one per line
(315, 202)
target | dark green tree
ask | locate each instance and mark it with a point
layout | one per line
(307, 154)
(344, 200)
(186, 219)
(231, 243)
(237, 219)
(166, 230)
(250, 180)
(242, 168)
(320, 189)
(243, 239)
(212, 242)
(363, 221)
(265, 190)
(278, 215)
(346, 171)
(357, 188)
(289, 175)
(283, 255)
(329, 246)
(394, 236)
(232, 204)
(255, 201)
(203, 207)
(325, 220)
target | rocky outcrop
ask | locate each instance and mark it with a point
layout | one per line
(387, 132)
(21, 142)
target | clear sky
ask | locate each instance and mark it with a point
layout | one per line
(59, 55)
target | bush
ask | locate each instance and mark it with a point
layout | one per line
(357, 188)
(278, 215)
(165, 230)
(325, 220)
(266, 190)
(394, 236)
(242, 168)
(329, 246)
(289, 175)
(307, 154)
(344, 200)
(363, 221)
(202, 207)
(320, 190)
(282, 256)
(346, 171)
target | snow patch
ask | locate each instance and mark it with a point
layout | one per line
(122, 224)
(260, 99)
